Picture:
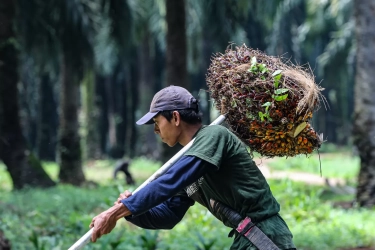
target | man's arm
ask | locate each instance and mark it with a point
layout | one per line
(183, 173)
(165, 215)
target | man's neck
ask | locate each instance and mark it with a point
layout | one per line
(188, 132)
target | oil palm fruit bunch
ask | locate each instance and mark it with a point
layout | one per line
(268, 103)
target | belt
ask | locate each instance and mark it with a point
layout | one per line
(245, 227)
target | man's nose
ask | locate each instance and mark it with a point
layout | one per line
(156, 129)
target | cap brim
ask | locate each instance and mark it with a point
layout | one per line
(147, 118)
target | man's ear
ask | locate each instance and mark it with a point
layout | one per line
(176, 119)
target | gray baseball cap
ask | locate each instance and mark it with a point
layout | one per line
(169, 98)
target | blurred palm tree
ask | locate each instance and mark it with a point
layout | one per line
(65, 30)
(364, 114)
(334, 64)
(127, 40)
(150, 45)
(211, 27)
(112, 46)
(75, 27)
(319, 33)
(24, 169)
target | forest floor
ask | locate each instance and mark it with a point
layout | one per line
(310, 179)
(335, 185)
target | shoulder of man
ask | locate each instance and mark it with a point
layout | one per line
(223, 132)
(219, 131)
(214, 129)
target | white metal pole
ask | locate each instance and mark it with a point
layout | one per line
(87, 236)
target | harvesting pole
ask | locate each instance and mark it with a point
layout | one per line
(87, 236)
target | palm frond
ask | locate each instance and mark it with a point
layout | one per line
(78, 22)
(120, 14)
(149, 18)
(106, 50)
(341, 40)
(283, 11)
(46, 27)
(36, 31)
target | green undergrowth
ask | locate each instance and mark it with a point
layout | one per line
(316, 223)
(56, 218)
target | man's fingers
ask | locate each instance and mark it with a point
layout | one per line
(92, 222)
(122, 196)
(93, 236)
(119, 199)
(96, 234)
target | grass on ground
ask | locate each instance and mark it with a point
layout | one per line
(55, 218)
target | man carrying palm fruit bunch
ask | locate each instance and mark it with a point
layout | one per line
(268, 103)
(216, 171)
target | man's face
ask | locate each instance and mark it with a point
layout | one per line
(167, 130)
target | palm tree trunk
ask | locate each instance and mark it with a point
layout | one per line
(146, 74)
(69, 149)
(111, 102)
(364, 111)
(176, 72)
(102, 113)
(24, 170)
(91, 135)
(47, 120)
(134, 102)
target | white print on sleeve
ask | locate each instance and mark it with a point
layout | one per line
(191, 189)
